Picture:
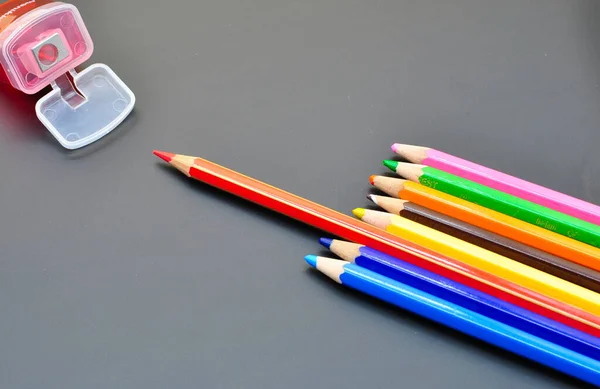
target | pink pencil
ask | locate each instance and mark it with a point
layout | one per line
(503, 182)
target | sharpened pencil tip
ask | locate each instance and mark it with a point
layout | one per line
(311, 260)
(372, 179)
(359, 212)
(167, 157)
(326, 242)
(392, 165)
(373, 198)
(395, 147)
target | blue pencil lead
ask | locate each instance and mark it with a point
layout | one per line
(326, 242)
(311, 260)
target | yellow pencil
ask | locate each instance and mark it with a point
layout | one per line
(485, 260)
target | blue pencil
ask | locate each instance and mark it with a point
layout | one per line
(459, 318)
(466, 297)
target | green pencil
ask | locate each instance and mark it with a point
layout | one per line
(499, 201)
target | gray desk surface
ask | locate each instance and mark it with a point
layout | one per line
(115, 272)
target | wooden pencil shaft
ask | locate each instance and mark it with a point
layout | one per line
(527, 255)
(412, 153)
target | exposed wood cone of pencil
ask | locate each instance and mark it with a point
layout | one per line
(414, 154)
(389, 185)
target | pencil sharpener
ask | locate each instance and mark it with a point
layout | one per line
(41, 44)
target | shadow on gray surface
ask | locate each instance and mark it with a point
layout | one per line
(122, 130)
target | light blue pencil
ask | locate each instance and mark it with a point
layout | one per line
(459, 318)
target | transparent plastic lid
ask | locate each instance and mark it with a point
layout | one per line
(83, 107)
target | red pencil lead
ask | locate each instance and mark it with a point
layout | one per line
(164, 155)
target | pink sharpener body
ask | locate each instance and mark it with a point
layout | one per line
(42, 48)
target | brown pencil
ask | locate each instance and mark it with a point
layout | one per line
(541, 260)
(489, 220)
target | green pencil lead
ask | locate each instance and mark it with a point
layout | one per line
(392, 165)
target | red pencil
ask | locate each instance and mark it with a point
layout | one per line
(349, 228)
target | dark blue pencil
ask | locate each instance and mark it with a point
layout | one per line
(459, 318)
(466, 297)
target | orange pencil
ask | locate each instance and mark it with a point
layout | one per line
(489, 220)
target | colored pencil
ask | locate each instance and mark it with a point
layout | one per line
(487, 219)
(508, 269)
(346, 227)
(459, 318)
(496, 200)
(541, 260)
(503, 182)
(464, 296)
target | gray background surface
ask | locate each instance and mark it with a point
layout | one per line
(116, 272)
